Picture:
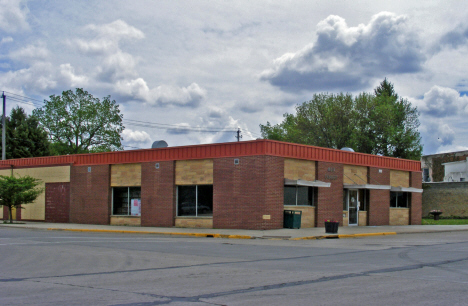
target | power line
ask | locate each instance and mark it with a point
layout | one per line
(163, 126)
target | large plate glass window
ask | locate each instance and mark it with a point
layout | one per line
(126, 201)
(196, 200)
(400, 199)
(299, 195)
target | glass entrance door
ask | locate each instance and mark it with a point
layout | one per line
(353, 207)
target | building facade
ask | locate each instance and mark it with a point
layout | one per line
(241, 185)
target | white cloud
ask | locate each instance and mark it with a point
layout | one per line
(30, 53)
(162, 95)
(132, 136)
(13, 16)
(44, 77)
(442, 102)
(345, 57)
(7, 39)
(436, 134)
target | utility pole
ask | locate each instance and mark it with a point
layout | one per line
(239, 136)
(3, 129)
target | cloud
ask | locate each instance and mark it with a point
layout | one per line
(442, 102)
(347, 58)
(182, 128)
(7, 39)
(135, 136)
(453, 39)
(107, 37)
(13, 16)
(162, 95)
(43, 77)
(436, 134)
(30, 53)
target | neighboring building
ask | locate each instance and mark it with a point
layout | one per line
(456, 171)
(244, 185)
(432, 165)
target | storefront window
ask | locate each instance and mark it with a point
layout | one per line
(196, 201)
(126, 201)
(299, 195)
(400, 199)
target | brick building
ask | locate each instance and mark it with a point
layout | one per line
(244, 185)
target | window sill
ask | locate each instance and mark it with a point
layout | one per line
(298, 206)
(125, 216)
(195, 217)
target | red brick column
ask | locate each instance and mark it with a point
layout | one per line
(158, 194)
(244, 193)
(90, 194)
(57, 202)
(330, 199)
(416, 198)
(379, 200)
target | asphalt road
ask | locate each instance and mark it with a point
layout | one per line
(66, 268)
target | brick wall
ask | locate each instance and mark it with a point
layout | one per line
(194, 172)
(57, 202)
(126, 175)
(416, 198)
(450, 197)
(158, 194)
(247, 194)
(297, 169)
(399, 178)
(90, 194)
(399, 216)
(379, 200)
(330, 199)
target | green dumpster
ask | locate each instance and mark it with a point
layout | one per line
(292, 218)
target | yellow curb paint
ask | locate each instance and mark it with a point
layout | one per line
(375, 234)
(346, 236)
(156, 233)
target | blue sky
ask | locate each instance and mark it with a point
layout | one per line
(205, 68)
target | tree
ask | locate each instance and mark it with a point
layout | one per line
(79, 123)
(374, 123)
(15, 191)
(25, 137)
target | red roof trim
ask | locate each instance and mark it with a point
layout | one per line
(218, 150)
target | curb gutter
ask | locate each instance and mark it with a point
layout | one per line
(206, 235)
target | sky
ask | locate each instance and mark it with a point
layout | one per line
(194, 72)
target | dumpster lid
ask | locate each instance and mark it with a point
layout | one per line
(306, 183)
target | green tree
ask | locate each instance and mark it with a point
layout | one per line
(79, 123)
(15, 191)
(375, 123)
(25, 137)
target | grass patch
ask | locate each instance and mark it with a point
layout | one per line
(431, 221)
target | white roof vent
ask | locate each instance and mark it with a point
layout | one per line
(347, 149)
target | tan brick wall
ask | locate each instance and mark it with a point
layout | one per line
(132, 221)
(307, 217)
(36, 210)
(399, 178)
(354, 175)
(451, 198)
(362, 221)
(193, 172)
(125, 175)
(345, 218)
(399, 216)
(194, 222)
(296, 169)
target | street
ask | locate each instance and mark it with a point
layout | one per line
(41, 267)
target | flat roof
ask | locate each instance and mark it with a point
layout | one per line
(220, 150)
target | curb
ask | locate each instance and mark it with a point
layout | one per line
(206, 235)
(343, 236)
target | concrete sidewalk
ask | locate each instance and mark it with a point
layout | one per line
(284, 233)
